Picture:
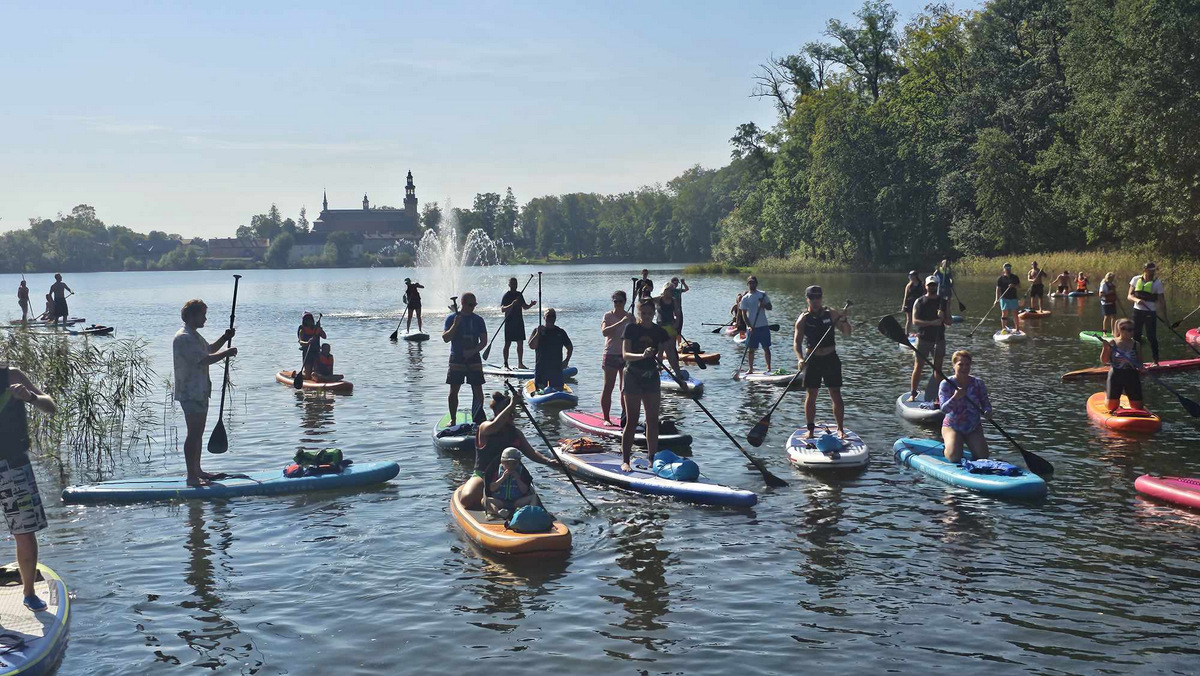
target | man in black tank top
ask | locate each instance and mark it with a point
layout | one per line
(18, 489)
(815, 327)
(929, 318)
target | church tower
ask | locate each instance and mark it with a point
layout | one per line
(410, 204)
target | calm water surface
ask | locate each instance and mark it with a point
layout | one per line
(887, 570)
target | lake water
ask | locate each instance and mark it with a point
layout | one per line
(887, 570)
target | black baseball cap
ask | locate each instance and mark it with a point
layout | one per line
(813, 291)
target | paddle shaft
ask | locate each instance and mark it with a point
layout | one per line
(225, 380)
(517, 396)
(1185, 342)
(1176, 324)
(396, 333)
(981, 321)
(539, 299)
(488, 350)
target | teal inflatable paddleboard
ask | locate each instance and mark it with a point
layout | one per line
(927, 455)
(461, 442)
(266, 482)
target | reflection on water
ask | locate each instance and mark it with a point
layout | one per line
(316, 420)
(644, 593)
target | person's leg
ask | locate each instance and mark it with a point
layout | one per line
(810, 410)
(471, 493)
(408, 326)
(452, 400)
(521, 354)
(477, 400)
(939, 358)
(839, 409)
(1139, 320)
(749, 359)
(524, 501)
(419, 328)
(1112, 390)
(1133, 390)
(918, 365)
(1152, 333)
(651, 402)
(610, 379)
(192, 443)
(633, 403)
(954, 443)
(1016, 319)
(507, 344)
(27, 557)
(767, 356)
(672, 356)
(978, 444)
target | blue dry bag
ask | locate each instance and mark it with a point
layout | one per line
(667, 465)
(531, 519)
(829, 443)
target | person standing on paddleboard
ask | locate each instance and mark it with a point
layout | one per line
(678, 288)
(412, 301)
(547, 344)
(512, 305)
(612, 327)
(823, 365)
(19, 494)
(753, 308)
(931, 334)
(23, 300)
(665, 304)
(1008, 295)
(58, 289)
(912, 291)
(467, 335)
(1037, 287)
(644, 287)
(1108, 303)
(642, 388)
(945, 279)
(309, 335)
(963, 423)
(1124, 375)
(192, 357)
(492, 438)
(1148, 298)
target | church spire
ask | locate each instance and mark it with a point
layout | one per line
(324, 201)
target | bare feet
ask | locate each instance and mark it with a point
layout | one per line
(625, 467)
(841, 434)
(522, 366)
(808, 435)
(197, 482)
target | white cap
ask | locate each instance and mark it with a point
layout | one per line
(930, 280)
(510, 453)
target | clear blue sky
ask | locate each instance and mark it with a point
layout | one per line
(192, 118)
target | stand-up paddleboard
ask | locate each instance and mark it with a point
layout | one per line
(93, 330)
(45, 322)
(35, 642)
(928, 456)
(594, 423)
(1057, 294)
(1099, 337)
(339, 386)
(1080, 294)
(1009, 336)
(461, 442)
(1124, 419)
(549, 396)
(705, 357)
(415, 337)
(690, 385)
(918, 411)
(1176, 490)
(606, 468)
(264, 482)
(1166, 366)
(523, 374)
(740, 339)
(776, 377)
(1028, 313)
(491, 535)
(956, 319)
(805, 454)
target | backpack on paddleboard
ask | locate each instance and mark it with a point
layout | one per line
(667, 465)
(530, 519)
(314, 463)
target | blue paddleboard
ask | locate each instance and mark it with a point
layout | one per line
(606, 468)
(927, 455)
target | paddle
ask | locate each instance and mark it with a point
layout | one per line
(737, 372)
(1175, 325)
(562, 465)
(298, 378)
(396, 334)
(720, 327)
(961, 307)
(772, 480)
(694, 350)
(539, 299)
(1038, 465)
(981, 321)
(218, 442)
(1190, 406)
(488, 350)
(1185, 342)
(758, 433)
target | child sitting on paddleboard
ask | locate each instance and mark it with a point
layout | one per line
(509, 485)
(324, 365)
(1124, 373)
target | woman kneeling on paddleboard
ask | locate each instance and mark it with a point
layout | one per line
(493, 437)
(642, 388)
(963, 423)
(1124, 375)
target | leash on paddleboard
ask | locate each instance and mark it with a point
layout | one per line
(1036, 463)
(218, 442)
(562, 465)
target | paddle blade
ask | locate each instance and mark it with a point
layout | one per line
(218, 442)
(889, 327)
(961, 307)
(487, 351)
(719, 329)
(758, 433)
(1037, 464)
(298, 380)
(771, 480)
(1192, 407)
(395, 335)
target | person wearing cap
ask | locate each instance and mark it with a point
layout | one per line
(912, 291)
(467, 334)
(513, 304)
(753, 308)
(822, 365)
(1008, 296)
(1037, 287)
(509, 485)
(492, 439)
(928, 316)
(309, 335)
(412, 301)
(1147, 295)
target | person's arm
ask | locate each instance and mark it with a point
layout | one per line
(68, 288)
(798, 339)
(225, 338)
(570, 349)
(495, 485)
(628, 354)
(683, 283)
(531, 453)
(450, 331)
(612, 329)
(528, 304)
(985, 402)
(23, 389)
(997, 300)
(766, 303)
(1130, 297)
(535, 338)
(483, 339)
(502, 418)
(842, 321)
(904, 299)
(1162, 304)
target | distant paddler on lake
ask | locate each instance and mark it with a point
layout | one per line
(23, 299)
(412, 302)
(58, 289)
(193, 388)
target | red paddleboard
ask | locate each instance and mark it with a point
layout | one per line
(1166, 366)
(1124, 419)
(1173, 489)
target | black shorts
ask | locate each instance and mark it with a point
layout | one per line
(414, 305)
(60, 308)
(471, 373)
(1109, 309)
(514, 331)
(1123, 381)
(1037, 291)
(553, 378)
(825, 368)
(927, 346)
(1062, 288)
(639, 382)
